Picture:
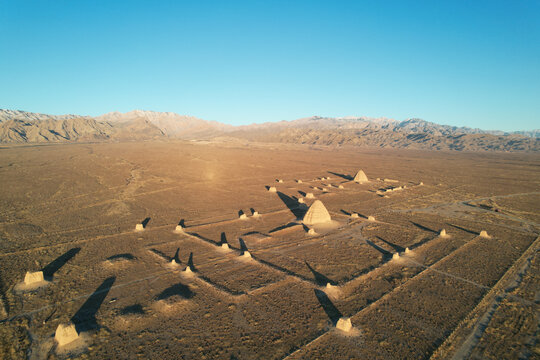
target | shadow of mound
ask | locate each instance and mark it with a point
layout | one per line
(386, 255)
(161, 254)
(223, 239)
(203, 238)
(145, 222)
(136, 309)
(176, 256)
(346, 177)
(283, 227)
(243, 246)
(320, 279)
(190, 262)
(463, 229)
(50, 269)
(424, 227)
(333, 313)
(179, 290)
(396, 247)
(254, 232)
(297, 209)
(85, 318)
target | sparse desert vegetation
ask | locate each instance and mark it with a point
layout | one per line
(174, 249)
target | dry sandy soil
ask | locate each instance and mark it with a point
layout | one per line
(71, 210)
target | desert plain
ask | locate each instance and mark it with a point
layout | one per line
(280, 287)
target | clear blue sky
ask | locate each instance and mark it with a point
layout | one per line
(467, 63)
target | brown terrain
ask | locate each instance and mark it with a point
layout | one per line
(70, 210)
(24, 127)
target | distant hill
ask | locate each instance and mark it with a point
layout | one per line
(25, 127)
(410, 126)
(386, 138)
(383, 132)
(171, 124)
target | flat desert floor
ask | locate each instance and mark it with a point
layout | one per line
(71, 211)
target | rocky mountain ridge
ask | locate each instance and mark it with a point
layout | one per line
(25, 127)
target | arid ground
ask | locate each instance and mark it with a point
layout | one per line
(71, 210)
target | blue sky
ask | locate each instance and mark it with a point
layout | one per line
(465, 63)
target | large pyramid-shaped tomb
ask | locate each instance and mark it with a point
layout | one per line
(317, 214)
(360, 177)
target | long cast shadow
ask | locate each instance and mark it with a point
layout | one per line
(479, 206)
(424, 227)
(221, 287)
(223, 239)
(463, 229)
(145, 222)
(293, 205)
(346, 177)
(284, 270)
(320, 279)
(55, 265)
(203, 238)
(385, 253)
(85, 318)
(176, 256)
(283, 227)
(394, 246)
(243, 246)
(333, 313)
(190, 262)
(161, 254)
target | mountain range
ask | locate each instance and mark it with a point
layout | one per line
(25, 127)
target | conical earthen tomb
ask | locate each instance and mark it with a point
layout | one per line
(317, 214)
(360, 177)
